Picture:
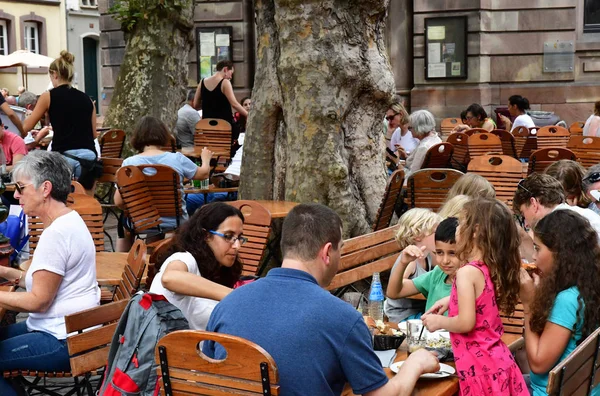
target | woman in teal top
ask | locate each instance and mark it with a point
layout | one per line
(561, 304)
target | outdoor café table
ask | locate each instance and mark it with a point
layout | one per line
(109, 267)
(278, 209)
(438, 387)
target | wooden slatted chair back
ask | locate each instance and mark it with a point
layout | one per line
(391, 196)
(502, 171)
(438, 156)
(133, 272)
(586, 148)
(525, 141)
(110, 166)
(508, 142)
(36, 227)
(483, 143)
(514, 323)
(543, 158)
(257, 228)
(91, 212)
(579, 372)
(427, 188)
(164, 184)
(363, 255)
(88, 350)
(171, 146)
(112, 143)
(576, 128)
(158, 255)
(136, 196)
(214, 134)
(460, 155)
(76, 187)
(448, 125)
(247, 370)
(552, 136)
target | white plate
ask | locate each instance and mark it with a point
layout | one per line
(448, 370)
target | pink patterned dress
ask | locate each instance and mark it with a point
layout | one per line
(484, 364)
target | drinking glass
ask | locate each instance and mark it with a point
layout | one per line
(416, 336)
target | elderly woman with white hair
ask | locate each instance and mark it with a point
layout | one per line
(61, 279)
(423, 128)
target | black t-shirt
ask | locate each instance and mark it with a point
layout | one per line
(71, 118)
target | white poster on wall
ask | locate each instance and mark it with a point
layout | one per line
(434, 53)
(436, 70)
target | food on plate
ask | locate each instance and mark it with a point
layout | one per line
(438, 342)
(381, 328)
(530, 268)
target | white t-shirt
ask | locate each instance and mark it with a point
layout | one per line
(523, 120)
(65, 248)
(196, 310)
(407, 142)
(236, 162)
(592, 126)
(589, 214)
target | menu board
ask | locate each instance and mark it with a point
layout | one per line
(213, 45)
(446, 47)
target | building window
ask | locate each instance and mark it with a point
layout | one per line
(3, 38)
(89, 3)
(32, 38)
(591, 16)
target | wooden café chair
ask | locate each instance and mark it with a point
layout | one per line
(247, 370)
(171, 146)
(131, 279)
(448, 124)
(576, 128)
(508, 142)
(543, 158)
(109, 181)
(215, 134)
(257, 228)
(552, 136)
(427, 188)
(164, 184)
(483, 143)
(391, 196)
(460, 155)
(579, 373)
(503, 172)
(159, 254)
(112, 143)
(525, 141)
(586, 148)
(438, 156)
(91, 212)
(474, 131)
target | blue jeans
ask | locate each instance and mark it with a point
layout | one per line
(33, 350)
(79, 153)
(195, 201)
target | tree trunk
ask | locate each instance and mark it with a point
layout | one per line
(322, 85)
(153, 75)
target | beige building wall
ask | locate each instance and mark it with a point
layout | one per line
(505, 57)
(52, 28)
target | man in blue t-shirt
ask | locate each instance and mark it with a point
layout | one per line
(318, 341)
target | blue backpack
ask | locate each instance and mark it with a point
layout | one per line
(14, 229)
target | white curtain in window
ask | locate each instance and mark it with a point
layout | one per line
(32, 41)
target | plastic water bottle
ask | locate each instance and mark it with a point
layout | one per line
(376, 298)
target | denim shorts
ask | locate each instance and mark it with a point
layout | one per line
(79, 153)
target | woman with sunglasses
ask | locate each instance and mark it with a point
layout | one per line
(591, 187)
(203, 265)
(402, 141)
(61, 279)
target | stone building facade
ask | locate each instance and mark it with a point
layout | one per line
(505, 46)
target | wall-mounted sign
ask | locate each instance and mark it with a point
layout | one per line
(559, 57)
(446, 47)
(213, 45)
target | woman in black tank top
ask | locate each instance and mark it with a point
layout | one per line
(72, 115)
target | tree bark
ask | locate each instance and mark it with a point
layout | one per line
(322, 85)
(153, 75)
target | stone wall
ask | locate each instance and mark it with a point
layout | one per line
(505, 57)
(237, 14)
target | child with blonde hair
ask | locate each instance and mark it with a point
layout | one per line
(416, 227)
(454, 206)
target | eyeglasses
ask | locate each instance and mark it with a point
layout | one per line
(593, 177)
(390, 118)
(21, 187)
(520, 185)
(231, 238)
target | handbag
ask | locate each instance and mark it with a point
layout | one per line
(90, 170)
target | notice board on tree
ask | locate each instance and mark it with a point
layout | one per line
(213, 45)
(446, 47)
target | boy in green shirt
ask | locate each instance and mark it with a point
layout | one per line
(437, 283)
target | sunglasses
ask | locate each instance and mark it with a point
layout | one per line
(593, 177)
(521, 186)
(390, 118)
(21, 187)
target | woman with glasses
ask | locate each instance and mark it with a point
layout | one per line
(478, 118)
(61, 279)
(203, 265)
(402, 141)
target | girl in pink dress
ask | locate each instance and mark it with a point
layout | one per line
(487, 240)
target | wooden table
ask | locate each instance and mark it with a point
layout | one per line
(278, 209)
(109, 267)
(440, 387)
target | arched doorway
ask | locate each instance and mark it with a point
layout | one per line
(90, 68)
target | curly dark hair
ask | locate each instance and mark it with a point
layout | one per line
(497, 238)
(191, 237)
(576, 256)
